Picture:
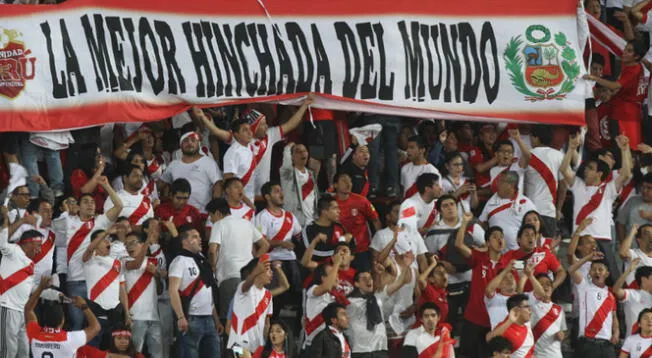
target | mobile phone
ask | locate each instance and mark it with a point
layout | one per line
(237, 350)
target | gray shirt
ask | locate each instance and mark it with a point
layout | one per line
(629, 214)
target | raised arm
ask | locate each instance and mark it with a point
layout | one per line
(30, 315)
(627, 243)
(626, 157)
(423, 278)
(93, 328)
(260, 268)
(573, 270)
(284, 284)
(536, 286)
(330, 281)
(637, 10)
(620, 282)
(516, 136)
(90, 250)
(221, 134)
(495, 282)
(501, 328)
(575, 239)
(113, 213)
(459, 238)
(296, 118)
(384, 254)
(306, 259)
(565, 168)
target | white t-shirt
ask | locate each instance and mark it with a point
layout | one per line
(250, 310)
(54, 343)
(635, 301)
(103, 277)
(243, 211)
(407, 240)
(14, 261)
(262, 148)
(278, 228)
(416, 213)
(202, 174)
(600, 228)
(547, 320)
(78, 234)
(537, 188)
(236, 238)
(239, 160)
(141, 291)
(185, 268)
(591, 299)
(137, 208)
(636, 345)
(508, 214)
(410, 173)
(362, 339)
(497, 308)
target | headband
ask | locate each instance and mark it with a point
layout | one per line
(188, 134)
(121, 334)
(29, 240)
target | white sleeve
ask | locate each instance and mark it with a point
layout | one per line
(102, 222)
(628, 346)
(216, 234)
(611, 190)
(166, 177)
(484, 216)
(376, 242)
(76, 339)
(212, 171)
(231, 162)
(562, 317)
(420, 244)
(5, 247)
(274, 135)
(257, 235)
(478, 235)
(108, 204)
(176, 269)
(408, 216)
(296, 227)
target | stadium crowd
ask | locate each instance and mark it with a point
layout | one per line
(288, 231)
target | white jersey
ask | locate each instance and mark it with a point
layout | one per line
(645, 261)
(103, 275)
(54, 343)
(427, 344)
(192, 285)
(599, 210)
(637, 346)
(148, 188)
(584, 271)
(44, 261)
(450, 185)
(202, 174)
(508, 214)
(541, 179)
(78, 236)
(17, 272)
(156, 252)
(635, 301)
(141, 292)
(496, 308)
(236, 238)
(278, 229)
(240, 161)
(313, 307)
(262, 149)
(242, 211)
(597, 306)
(417, 214)
(362, 339)
(496, 171)
(397, 303)
(250, 310)
(521, 347)
(407, 240)
(409, 175)
(437, 239)
(136, 207)
(547, 320)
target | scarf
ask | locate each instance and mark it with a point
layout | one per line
(374, 315)
(205, 271)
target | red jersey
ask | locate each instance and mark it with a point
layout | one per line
(476, 156)
(354, 213)
(188, 215)
(634, 87)
(78, 179)
(484, 270)
(544, 261)
(92, 352)
(437, 296)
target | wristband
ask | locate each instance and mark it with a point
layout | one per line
(83, 307)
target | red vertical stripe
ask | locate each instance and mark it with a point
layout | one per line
(79, 236)
(430, 220)
(252, 166)
(546, 174)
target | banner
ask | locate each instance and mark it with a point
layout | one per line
(88, 62)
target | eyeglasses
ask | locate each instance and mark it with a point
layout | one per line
(182, 197)
(21, 194)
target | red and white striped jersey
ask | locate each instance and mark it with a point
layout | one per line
(54, 343)
(409, 175)
(137, 207)
(78, 236)
(427, 344)
(417, 214)
(508, 214)
(242, 211)
(262, 148)
(450, 185)
(201, 302)
(547, 320)
(44, 261)
(635, 301)
(148, 187)
(240, 161)
(597, 306)
(277, 229)
(595, 202)
(103, 277)
(645, 261)
(637, 346)
(522, 340)
(541, 178)
(141, 292)
(496, 171)
(250, 310)
(314, 322)
(16, 274)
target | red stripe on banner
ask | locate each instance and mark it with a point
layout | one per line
(313, 324)
(140, 211)
(79, 237)
(105, 281)
(46, 246)
(141, 284)
(16, 278)
(600, 316)
(469, 8)
(499, 209)
(251, 321)
(546, 174)
(593, 204)
(411, 191)
(307, 187)
(546, 321)
(606, 36)
(288, 222)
